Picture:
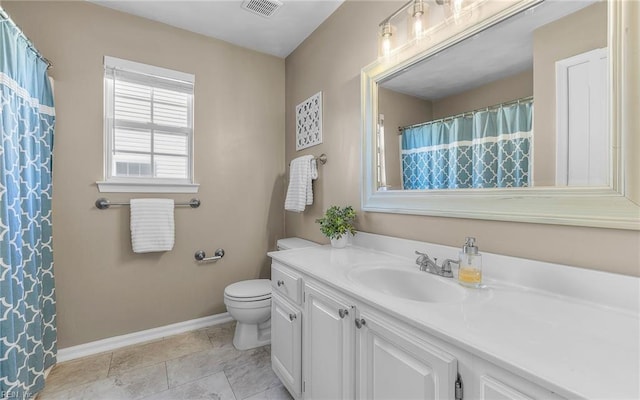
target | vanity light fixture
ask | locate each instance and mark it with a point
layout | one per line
(455, 8)
(416, 12)
(417, 18)
(388, 30)
(386, 36)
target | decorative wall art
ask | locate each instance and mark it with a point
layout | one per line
(309, 122)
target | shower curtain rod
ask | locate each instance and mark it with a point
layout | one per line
(6, 17)
(506, 103)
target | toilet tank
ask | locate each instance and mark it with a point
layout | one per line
(294, 243)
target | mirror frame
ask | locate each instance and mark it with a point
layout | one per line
(616, 206)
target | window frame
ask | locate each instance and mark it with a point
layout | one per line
(113, 183)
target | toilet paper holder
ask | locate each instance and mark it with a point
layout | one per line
(202, 256)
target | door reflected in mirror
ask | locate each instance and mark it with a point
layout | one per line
(523, 103)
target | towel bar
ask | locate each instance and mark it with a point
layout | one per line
(322, 158)
(103, 203)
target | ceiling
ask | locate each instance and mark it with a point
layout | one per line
(503, 50)
(226, 20)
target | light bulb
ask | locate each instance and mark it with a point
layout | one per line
(417, 27)
(386, 46)
(385, 39)
(456, 9)
(417, 17)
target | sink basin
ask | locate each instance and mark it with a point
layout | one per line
(408, 284)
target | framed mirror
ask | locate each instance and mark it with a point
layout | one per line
(519, 114)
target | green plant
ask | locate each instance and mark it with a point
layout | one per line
(337, 222)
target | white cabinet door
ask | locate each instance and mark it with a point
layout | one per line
(286, 344)
(395, 365)
(494, 383)
(329, 345)
(492, 389)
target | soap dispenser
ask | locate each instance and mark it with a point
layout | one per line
(470, 272)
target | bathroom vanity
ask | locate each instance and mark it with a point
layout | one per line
(363, 322)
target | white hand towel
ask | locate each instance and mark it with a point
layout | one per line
(313, 175)
(152, 225)
(300, 192)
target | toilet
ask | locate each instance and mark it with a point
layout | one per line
(249, 303)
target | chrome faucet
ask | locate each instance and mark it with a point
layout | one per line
(431, 266)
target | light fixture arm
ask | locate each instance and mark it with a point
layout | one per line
(396, 13)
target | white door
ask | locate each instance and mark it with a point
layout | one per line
(286, 344)
(583, 148)
(395, 365)
(329, 346)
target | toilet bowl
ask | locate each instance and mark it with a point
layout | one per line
(249, 303)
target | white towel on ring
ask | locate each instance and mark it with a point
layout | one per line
(300, 191)
(152, 225)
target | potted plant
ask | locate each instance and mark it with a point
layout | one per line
(337, 223)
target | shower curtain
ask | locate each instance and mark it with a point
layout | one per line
(27, 300)
(482, 149)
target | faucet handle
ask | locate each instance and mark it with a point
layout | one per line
(423, 256)
(446, 267)
(422, 260)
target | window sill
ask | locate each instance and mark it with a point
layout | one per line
(151, 187)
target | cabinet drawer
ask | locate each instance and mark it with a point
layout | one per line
(286, 282)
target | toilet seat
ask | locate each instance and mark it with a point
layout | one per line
(248, 299)
(253, 304)
(249, 291)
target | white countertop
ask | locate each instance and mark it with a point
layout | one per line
(570, 345)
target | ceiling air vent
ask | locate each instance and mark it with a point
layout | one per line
(264, 8)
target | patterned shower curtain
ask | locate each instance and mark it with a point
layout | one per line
(483, 149)
(27, 300)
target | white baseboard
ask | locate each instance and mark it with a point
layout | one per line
(116, 342)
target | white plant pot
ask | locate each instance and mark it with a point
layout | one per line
(340, 243)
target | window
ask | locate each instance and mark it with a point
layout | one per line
(148, 128)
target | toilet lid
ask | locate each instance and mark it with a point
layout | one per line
(249, 289)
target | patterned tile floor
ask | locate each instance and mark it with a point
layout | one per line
(202, 364)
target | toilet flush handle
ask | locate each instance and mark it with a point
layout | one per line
(280, 283)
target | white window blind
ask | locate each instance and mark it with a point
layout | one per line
(148, 123)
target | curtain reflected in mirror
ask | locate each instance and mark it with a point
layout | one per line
(523, 103)
(488, 148)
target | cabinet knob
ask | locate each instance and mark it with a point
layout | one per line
(280, 283)
(343, 313)
(360, 322)
(292, 317)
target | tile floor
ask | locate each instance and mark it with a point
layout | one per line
(201, 364)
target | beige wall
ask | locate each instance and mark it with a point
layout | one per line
(506, 89)
(330, 60)
(103, 289)
(398, 110)
(579, 32)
